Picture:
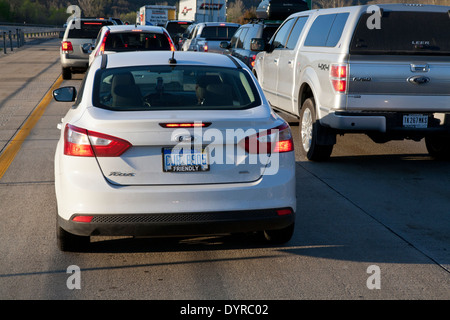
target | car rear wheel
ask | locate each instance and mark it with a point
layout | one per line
(279, 236)
(71, 242)
(66, 73)
(310, 129)
(438, 146)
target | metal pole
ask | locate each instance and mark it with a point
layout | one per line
(10, 40)
(17, 38)
(4, 42)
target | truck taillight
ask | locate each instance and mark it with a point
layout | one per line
(83, 143)
(338, 77)
(276, 140)
(67, 47)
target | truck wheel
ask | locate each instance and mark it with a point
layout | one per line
(438, 146)
(310, 129)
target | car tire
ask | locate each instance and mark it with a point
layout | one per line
(279, 236)
(71, 242)
(438, 146)
(66, 73)
(310, 128)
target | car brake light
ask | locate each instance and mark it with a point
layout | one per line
(185, 125)
(67, 47)
(83, 143)
(205, 47)
(338, 76)
(276, 140)
(252, 60)
(172, 46)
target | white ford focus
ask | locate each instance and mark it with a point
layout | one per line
(171, 143)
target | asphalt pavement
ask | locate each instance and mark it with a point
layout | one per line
(26, 75)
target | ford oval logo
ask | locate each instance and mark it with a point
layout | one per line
(418, 80)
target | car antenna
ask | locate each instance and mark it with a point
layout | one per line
(172, 60)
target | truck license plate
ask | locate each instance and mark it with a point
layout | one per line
(415, 121)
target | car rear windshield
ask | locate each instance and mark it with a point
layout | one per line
(177, 27)
(412, 33)
(218, 33)
(86, 29)
(136, 41)
(174, 88)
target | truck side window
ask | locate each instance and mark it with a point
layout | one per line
(280, 38)
(295, 34)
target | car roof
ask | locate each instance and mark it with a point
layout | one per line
(145, 58)
(121, 28)
(226, 24)
(387, 6)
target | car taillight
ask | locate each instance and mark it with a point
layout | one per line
(276, 140)
(83, 143)
(205, 47)
(252, 60)
(102, 46)
(338, 77)
(67, 47)
(172, 46)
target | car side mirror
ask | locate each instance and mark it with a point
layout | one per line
(257, 44)
(65, 94)
(224, 45)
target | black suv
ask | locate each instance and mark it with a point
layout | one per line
(239, 45)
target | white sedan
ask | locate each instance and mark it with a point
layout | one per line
(168, 144)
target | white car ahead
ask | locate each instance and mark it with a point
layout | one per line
(123, 38)
(172, 143)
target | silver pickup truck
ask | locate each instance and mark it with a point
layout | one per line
(382, 70)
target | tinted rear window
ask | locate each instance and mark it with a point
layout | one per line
(418, 33)
(136, 41)
(177, 27)
(218, 33)
(174, 88)
(87, 29)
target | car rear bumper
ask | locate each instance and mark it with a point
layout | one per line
(74, 63)
(180, 224)
(171, 209)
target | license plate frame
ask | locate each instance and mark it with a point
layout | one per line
(185, 159)
(415, 121)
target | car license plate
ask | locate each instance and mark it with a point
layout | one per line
(415, 121)
(185, 160)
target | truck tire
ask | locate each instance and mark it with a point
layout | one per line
(438, 146)
(310, 129)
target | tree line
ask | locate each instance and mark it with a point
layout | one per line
(54, 12)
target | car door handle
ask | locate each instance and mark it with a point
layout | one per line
(276, 61)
